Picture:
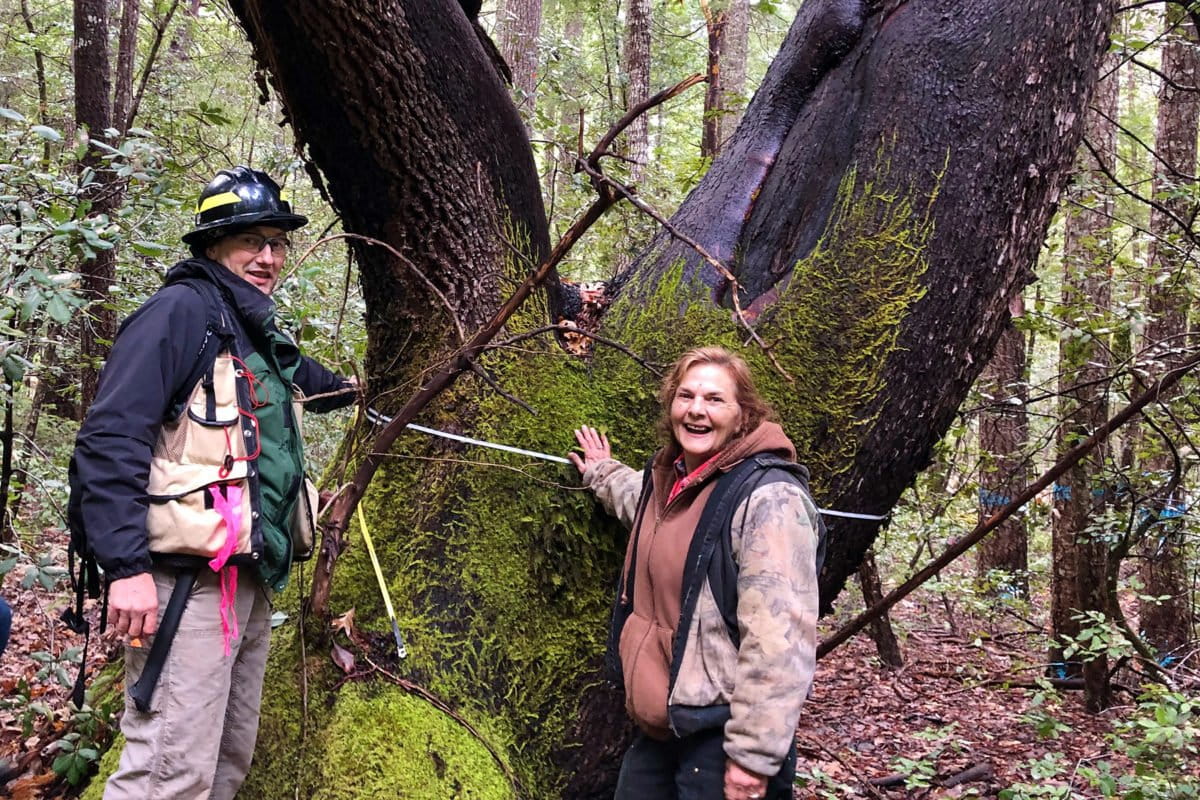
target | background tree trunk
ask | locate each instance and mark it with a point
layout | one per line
(1003, 438)
(1080, 552)
(93, 111)
(728, 24)
(502, 576)
(518, 27)
(715, 20)
(636, 64)
(1167, 625)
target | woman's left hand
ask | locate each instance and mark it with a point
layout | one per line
(742, 784)
(594, 445)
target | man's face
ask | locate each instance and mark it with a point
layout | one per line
(255, 255)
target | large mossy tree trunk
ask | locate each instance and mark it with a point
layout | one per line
(886, 193)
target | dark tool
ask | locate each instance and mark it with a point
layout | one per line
(143, 690)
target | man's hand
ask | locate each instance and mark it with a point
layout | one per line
(133, 605)
(742, 784)
(594, 445)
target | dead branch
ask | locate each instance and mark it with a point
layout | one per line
(964, 544)
(567, 329)
(462, 336)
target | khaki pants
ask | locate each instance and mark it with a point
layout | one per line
(197, 739)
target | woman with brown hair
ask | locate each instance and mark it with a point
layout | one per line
(715, 619)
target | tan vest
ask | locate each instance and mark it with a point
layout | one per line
(187, 460)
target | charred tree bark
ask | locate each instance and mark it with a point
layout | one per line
(1166, 624)
(1003, 436)
(829, 193)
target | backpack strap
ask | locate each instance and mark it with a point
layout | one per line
(218, 337)
(711, 553)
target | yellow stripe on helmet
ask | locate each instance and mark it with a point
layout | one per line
(222, 199)
(285, 195)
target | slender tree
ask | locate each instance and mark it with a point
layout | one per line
(93, 115)
(518, 26)
(636, 66)
(1166, 622)
(1003, 439)
(1080, 554)
(726, 22)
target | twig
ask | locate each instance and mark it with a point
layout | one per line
(1069, 460)
(462, 337)
(567, 329)
(813, 744)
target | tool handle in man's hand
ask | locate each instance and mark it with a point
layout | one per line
(143, 690)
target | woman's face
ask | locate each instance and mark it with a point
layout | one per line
(705, 413)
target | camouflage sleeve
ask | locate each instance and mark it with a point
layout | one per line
(617, 487)
(774, 542)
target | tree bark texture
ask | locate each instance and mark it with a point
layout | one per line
(518, 27)
(1080, 552)
(426, 152)
(880, 252)
(93, 110)
(1166, 625)
(636, 64)
(126, 53)
(1003, 437)
(830, 195)
(710, 128)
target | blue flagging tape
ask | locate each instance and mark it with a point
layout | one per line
(990, 499)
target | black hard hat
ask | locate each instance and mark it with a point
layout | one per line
(238, 198)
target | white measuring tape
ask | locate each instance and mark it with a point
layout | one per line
(383, 419)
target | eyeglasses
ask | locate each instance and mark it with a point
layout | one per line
(255, 242)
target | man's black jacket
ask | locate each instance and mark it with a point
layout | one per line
(154, 355)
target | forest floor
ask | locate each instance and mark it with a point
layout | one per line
(966, 698)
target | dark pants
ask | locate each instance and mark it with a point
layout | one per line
(692, 768)
(5, 621)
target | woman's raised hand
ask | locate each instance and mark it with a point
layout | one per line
(594, 445)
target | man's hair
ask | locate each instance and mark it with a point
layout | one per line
(754, 409)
